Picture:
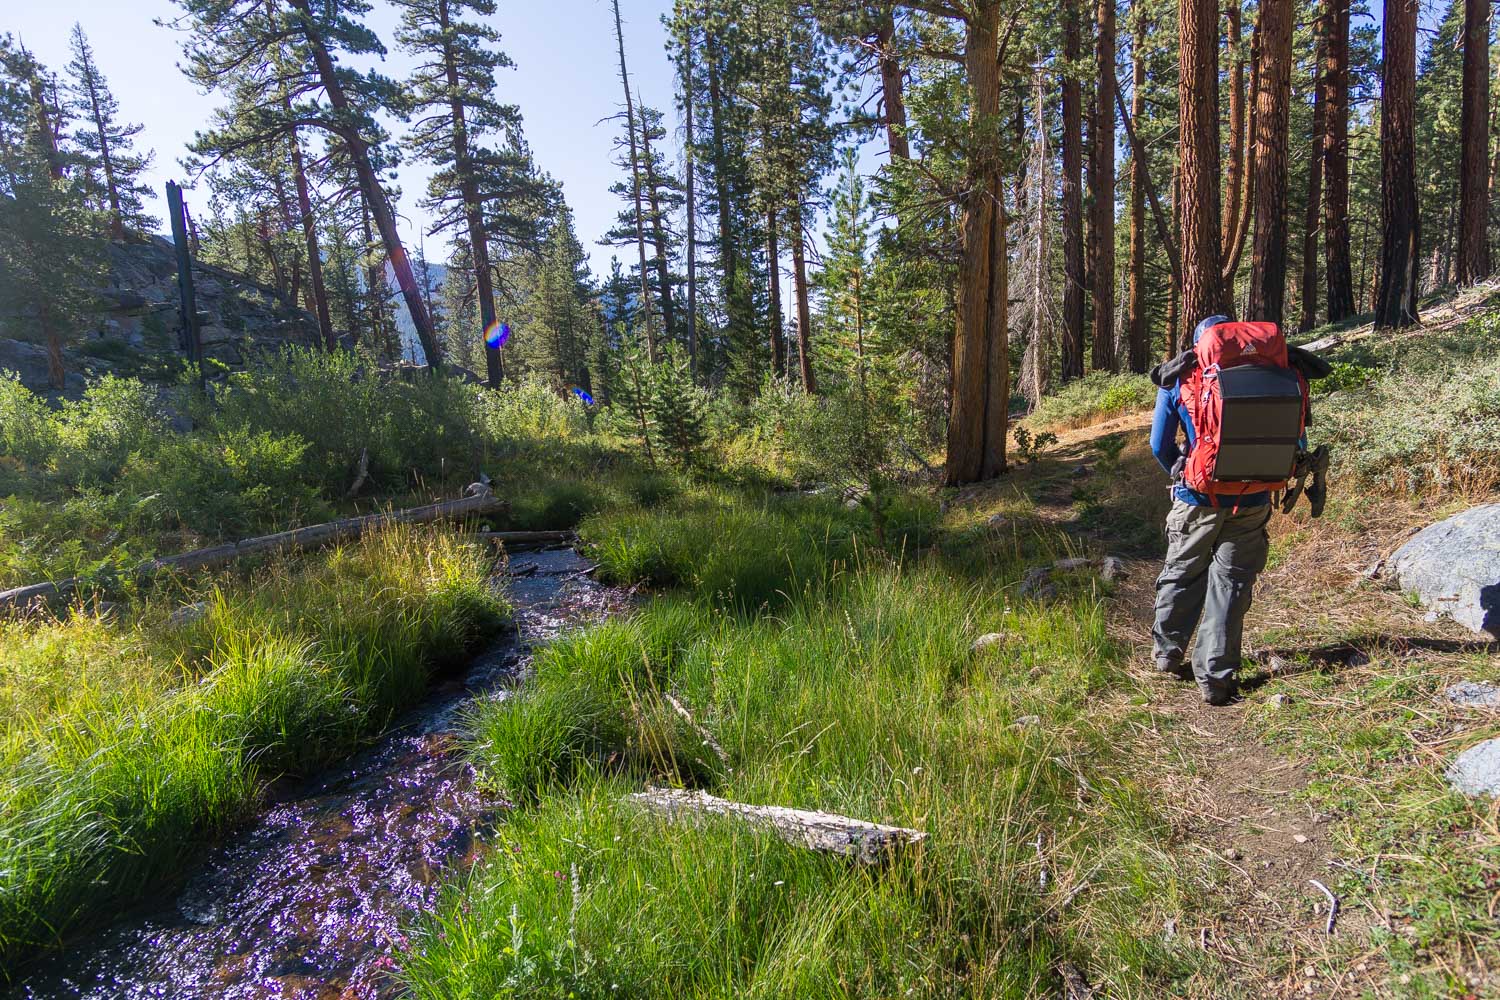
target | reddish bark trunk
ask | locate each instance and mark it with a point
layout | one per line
(1314, 207)
(1101, 242)
(1473, 185)
(1396, 303)
(1198, 156)
(1072, 202)
(1267, 299)
(1334, 90)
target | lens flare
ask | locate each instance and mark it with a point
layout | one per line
(496, 334)
(581, 394)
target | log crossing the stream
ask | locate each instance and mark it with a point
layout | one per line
(480, 502)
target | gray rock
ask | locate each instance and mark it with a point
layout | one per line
(986, 641)
(1476, 771)
(1113, 569)
(997, 522)
(1279, 700)
(27, 360)
(1453, 567)
(1474, 694)
(187, 614)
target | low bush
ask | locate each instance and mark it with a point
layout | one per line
(1096, 397)
(1418, 433)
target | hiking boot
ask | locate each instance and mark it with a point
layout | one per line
(1219, 695)
(1175, 668)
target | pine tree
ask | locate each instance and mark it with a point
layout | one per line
(557, 336)
(630, 392)
(677, 408)
(105, 143)
(51, 259)
(282, 64)
(473, 140)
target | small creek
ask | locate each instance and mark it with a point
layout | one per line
(307, 901)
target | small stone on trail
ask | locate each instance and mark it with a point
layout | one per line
(187, 614)
(1474, 694)
(1300, 838)
(1027, 720)
(1276, 665)
(998, 521)
(1476, 771)
(986, 641)
(1113, 569)
(1280, 700)
(1231, 854)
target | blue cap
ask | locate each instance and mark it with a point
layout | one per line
(1211, 321)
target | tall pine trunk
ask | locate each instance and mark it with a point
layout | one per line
(691, 171)
(374, 193)
(804, 304)
(316, 290)
(1174, 295)
(1137, 322)
(635, 187)
(1074, 280)
(1101, 239)
(1314, 203)
(1198, 156)
(106, 159)
(728, 258)
(1333, 86)
(1473, 196)
(1272, 110)
(468, 188)
(773, 291)
(1396, 301)
(976, 423)
(891, 84)
(658, 232)
(1234, 176)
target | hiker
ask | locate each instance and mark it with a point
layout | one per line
(1238, 381)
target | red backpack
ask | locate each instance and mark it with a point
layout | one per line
(1249, 410)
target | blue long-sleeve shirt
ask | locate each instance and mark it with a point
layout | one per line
(1170, 417)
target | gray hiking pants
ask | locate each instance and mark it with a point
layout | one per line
(1213, 558)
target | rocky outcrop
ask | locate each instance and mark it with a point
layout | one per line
(1453, 568)
(136, 328)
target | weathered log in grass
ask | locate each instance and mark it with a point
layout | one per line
(514, 539)
(480, 502)
(829, 833)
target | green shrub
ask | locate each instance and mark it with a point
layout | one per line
(1418, 432)
(229, 484)
(529, 411)
(28, 431)
(1096, 397)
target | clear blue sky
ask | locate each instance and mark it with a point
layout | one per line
(566, 79)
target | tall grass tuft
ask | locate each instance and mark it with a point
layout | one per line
(861, 695)
(115, 776)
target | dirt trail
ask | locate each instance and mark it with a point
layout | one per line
(1230, 797)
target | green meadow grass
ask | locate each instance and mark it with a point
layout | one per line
(854, 691)
(125, 748)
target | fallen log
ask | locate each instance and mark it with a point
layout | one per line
(526, 537)
(480, 502)
(866, 843)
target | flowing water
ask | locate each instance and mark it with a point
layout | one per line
(308, 901)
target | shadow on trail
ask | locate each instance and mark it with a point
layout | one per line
(1289, 661)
